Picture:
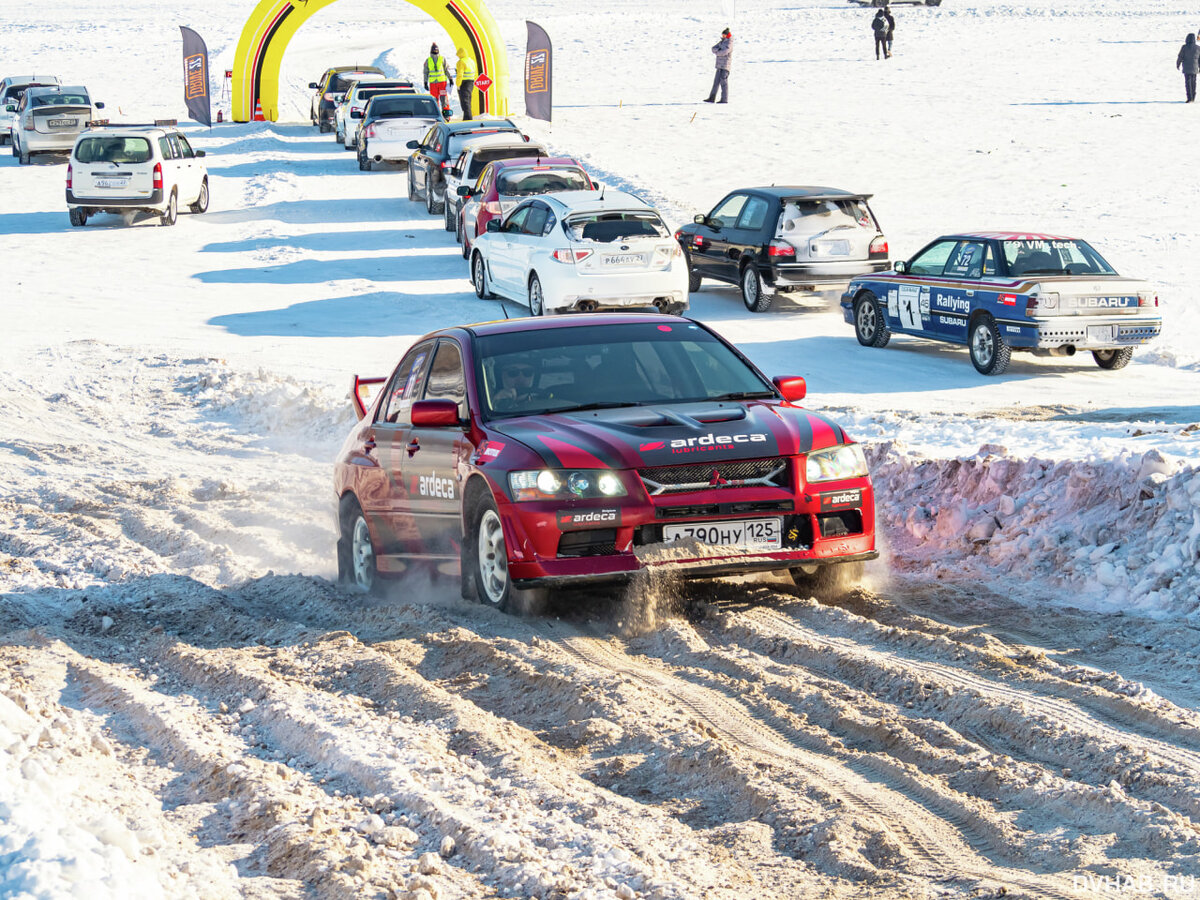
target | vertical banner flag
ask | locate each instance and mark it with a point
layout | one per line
(538, 71)
(195, 77)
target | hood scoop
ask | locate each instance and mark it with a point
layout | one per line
(697, 421)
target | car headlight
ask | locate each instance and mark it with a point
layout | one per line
(843, 461)
(565, 484)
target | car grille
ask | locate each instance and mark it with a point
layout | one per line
(712, 476)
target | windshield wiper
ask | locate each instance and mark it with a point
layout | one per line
(738, 395)
(601, 404)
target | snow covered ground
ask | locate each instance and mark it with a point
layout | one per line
(189, 708)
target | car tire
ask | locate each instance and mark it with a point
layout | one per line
(485, 562)
(694, 278)
(990, 353)
(340, 137)
(466, 248)
(357, 564)
(324, 127)
(830, 579)
(201, 204)
(78, 216)
(171, 213)
(447, 222)
(537, 299)
(23, 156)
(431, 202)
(458, 231)
(1113, 359)
(412, 187)
(754, 295)
(479, 277)
(870, 324)
(364, 161)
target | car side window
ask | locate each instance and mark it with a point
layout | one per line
(446, 379)
(932, 260)
(966, 261)
(188, 152)
(403, 387)
(164, 147)
(727, 212)
(516, 223)
(535, 222)
(754, 214)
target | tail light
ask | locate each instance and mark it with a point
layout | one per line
(1145, 298)
(369, 131)
(158, 183)
(492, 208)
(29, 124)
(878, 248)
(570, 256)
(1036, 302)
(445, 163)
(68, 176)
(664, 254)
(780, 248)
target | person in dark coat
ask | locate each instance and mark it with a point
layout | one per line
(880, 26)
(891, 20)
(724, 53)
(1188, 61)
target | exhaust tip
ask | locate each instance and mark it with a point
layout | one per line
(586, 305)
(378, 158)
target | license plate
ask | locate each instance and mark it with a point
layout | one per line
(745, 534)
(1102, 333)
(61, 123)
(112, 182)
(623, 259)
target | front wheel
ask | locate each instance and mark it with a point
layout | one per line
(431, 202)
(340, 137)
(485, 569)
(537, 300)
(78, 216)
(171, 212)
(412, 188)
(201, 203)
(479, 278)
(324, 127)
(357, 567)
(870, 326)
(1113, 359)
(447, 222)
(754, 295)
(990, 353)
(466, 248)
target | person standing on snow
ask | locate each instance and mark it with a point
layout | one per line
(437, 79)
(467, 73)
(1188, 60)
(891, 20)
(880, 26)
(724, 51)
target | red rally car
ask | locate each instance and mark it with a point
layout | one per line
(543, 453)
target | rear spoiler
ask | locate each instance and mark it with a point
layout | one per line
(360, 393)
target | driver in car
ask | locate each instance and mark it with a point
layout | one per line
(516, 379)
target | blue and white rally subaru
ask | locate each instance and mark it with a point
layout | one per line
(998, 292)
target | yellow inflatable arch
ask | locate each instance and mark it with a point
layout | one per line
(273, 22)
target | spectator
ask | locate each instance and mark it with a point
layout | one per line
(880, 26)
(466, 72)
(724, 52)
(891, 20)
(1188, 61)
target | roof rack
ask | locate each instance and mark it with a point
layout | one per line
(157, 123)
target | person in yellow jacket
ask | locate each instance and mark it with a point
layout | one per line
(467, 72)
(438, 79)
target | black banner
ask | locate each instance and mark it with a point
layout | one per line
(195, 77)
(538, 72)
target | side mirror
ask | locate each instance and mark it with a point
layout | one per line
(10, 108)
(356, 114)
(901, 267)
(413, 145)
(201, 153)
(99, 105)
(464, 190)
(493, 225)
(793, 387)
(313, 86)
(435, 413)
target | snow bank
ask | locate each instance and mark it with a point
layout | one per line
(1111, 535)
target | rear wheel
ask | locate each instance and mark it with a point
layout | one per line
(201, 203)
(537, 300)
(171, 212)
(23, 156)
(754, 294)
(364, 161)
(990, 353)
(694, 279)
(870, 326)
(78, 216)
(479, 278)
(357, 567)
(1113, 359)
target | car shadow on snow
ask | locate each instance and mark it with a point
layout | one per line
(305, 212)
(428, 238)
(376, 314)
(432, 267)
(312, 166)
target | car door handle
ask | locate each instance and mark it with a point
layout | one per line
(413, 446)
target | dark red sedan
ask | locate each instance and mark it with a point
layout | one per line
(543, 453)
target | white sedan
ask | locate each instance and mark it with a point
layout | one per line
(580, 251)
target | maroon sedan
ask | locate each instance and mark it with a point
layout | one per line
(505, 183)
(544, 453)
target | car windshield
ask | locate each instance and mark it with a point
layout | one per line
(110, 148)
(1053, 256)
(562, 369)
(617, 225)
(455, 145)
(59, 100)
(527, 182)
(402, 108)
(339, 84)
(483, 157)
